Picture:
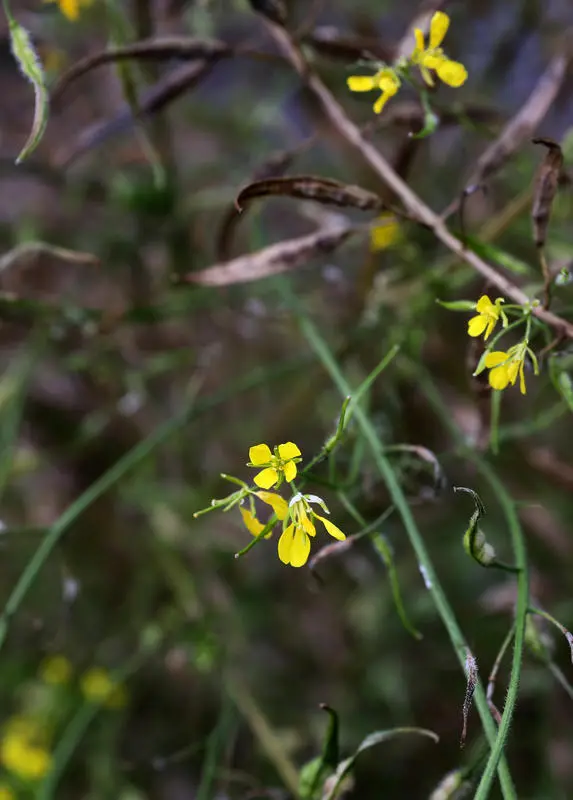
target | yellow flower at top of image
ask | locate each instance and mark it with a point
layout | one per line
(486, 318)
(281, 464)
(70, 8)
(55, 670)
(433, 57)
(278, 504)
(294, 544)
(23, 751)
(99, 687)
(506, 366)
(386, 80)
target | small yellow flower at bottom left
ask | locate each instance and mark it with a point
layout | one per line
(6, 792)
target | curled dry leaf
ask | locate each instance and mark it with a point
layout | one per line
(311, 187)
(274, 260)
(546, 184)
(182, 47)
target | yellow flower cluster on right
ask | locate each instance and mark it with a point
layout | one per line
(428, 59)
(505, 366)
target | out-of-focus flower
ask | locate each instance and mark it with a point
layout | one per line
(70, 8)
(99, 687)
(506, 366)
(433, 57)
(6, 792)
(23, 750)
(386, 80)
(384, 233)
(55, 670)
(294, 544)
(281, 464)
(487, 317)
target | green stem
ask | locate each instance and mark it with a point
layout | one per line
(399, 500)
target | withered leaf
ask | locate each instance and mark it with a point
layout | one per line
(275, 259)
(546, 184)
(311, 187)
(272, 167)
(183, 47)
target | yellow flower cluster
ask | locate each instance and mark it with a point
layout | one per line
(505, 366)
(70, 8)
(24, 748)
(297, 516)
(428, 59)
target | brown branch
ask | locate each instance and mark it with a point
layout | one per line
(418, 209)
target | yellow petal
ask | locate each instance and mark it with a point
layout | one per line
(438, 29)
(513, 371)
(278, 504)
(260, 454)
(285, 544)
(384, 234)
(266, 478)
(484, 304)
(307, 525)
(70, 8)
(420, 45)
(331, 528)
(361, 83)
(252, 524)
(452, 73)
(288, 450)
(426, 76)
(495, 358)
(388, 81)
(290, 471)
(300, 548)
(433, 60)
(477, 325)
(490, 326)
(381, 102)
(499, 378)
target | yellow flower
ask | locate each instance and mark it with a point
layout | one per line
(22, 749)
(6, 792)
(385, 79)
(278, 466)
(506, 366)
(55, 670)
(294, 544)
(487, 317)
(70, 8)
(383, 233)
(98, 686)
(433, 57)
(277, 503)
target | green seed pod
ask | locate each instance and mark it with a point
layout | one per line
(477, 546)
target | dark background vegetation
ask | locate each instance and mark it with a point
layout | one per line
(228, 660)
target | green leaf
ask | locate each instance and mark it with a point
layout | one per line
(373, 739)
(431, 119)
(315, 772)
(490, 252)
(30, 64)
(457, 305)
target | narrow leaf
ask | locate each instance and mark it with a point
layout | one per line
(29, 62)
(273, 260)
(370, 741)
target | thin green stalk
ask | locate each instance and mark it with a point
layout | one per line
(520, 557)
(399, 500)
